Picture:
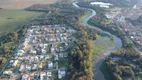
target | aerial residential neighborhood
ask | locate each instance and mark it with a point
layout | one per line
(40, 53)
(70, 39)
(121, 17)
(133, 31)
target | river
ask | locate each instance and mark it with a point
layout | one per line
(118, 43)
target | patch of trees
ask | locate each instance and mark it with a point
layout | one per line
(9, 42)
(81, 58)
(2, 62)
(41, 8)
(59, 13)
(125, 63)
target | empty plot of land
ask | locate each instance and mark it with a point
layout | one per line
(11, 20)
(21, 4)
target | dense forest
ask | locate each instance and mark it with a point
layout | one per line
(81, 58)
(59, 13)
(125, 64)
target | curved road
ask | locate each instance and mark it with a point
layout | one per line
(117, 41)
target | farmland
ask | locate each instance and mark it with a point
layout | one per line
(21, 4)
(10, 20)
(12, 16)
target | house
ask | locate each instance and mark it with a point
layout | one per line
(7, 72)
(30, 76)
(42, 75)
(57, 50)
(15, 63)
(34, 67)
(33, 51)
(61, 49)
(46, 57)
(52, 50)
(36, 76)
(28, 67)
(61, 55)
(43, 51)
(36, 58)
(22, 68)
(25, 77)
(20, 53)
(56, 65)
(45, 45)
(50, 64)
(49, 74)
(31, 59)
(41, 65)
(56, 57)
(61, 73)
(11, 61)
(41, 57)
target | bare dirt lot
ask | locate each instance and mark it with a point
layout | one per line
(21, 4)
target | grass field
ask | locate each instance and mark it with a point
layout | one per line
(21, 4)
(99, 48)
(87, 14)
(10, 20)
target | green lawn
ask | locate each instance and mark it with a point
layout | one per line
(87, 14)
(99, 48)
(111, 43)
(10, 20)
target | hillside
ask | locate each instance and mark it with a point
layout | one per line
(21, 4)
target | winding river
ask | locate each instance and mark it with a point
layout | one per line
(117, 41)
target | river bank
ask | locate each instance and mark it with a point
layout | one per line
(117, 41)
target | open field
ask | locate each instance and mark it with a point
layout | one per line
(21, 4)
(87, 14)
(10, 20)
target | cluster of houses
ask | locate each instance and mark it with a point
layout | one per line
(38, 55)
(43, 75)
(134, 32)
(133, 13)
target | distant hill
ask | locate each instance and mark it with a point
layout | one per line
(21, 4)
